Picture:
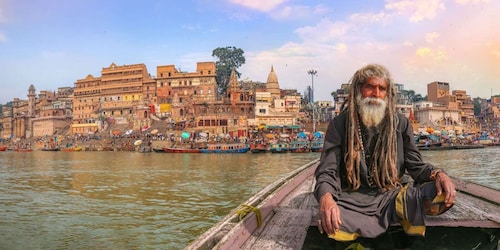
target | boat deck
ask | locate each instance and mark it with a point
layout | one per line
(288, 209)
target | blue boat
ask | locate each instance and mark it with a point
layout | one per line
(226, 148)
(317, 145)
(279, 147)
(300, 146)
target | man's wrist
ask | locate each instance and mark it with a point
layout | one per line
(435, 173)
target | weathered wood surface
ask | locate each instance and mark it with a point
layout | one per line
(288, 208)
(475, 206)
(231, 234)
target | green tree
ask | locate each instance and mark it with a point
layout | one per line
(229, 58)
(477, 105)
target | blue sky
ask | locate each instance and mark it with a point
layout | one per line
(53, 43)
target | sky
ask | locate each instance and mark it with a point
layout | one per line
(53, 43)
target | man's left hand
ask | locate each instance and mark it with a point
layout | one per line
(445, 184)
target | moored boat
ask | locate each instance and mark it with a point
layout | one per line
(71, 149)
(299, 146)
(283, 215)
(23, 149)
(226, 148)
(259, 147)
(50, 149)
(279, 147)
(181, 150)
(3, 147)
(317, 145)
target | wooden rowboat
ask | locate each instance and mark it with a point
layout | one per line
(283, 215)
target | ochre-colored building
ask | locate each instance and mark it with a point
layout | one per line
(113, 95)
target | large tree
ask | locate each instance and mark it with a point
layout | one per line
(229, 58)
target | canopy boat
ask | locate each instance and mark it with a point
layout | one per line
(317, 145)
(284, 215)
(226, 148)
(299, 146)
(279, 147)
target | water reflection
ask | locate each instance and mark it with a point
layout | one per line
(124, 200)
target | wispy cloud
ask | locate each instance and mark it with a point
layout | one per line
(417, 10)
(259, 5)
(3, 37)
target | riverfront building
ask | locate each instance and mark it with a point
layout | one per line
(114, 96)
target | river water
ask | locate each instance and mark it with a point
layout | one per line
(129, 200)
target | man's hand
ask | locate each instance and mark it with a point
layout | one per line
(446, 185)
(329, 215)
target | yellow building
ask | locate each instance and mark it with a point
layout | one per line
(115, 95)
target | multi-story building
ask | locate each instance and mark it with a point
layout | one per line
(340, 97)
(7, 123)
(115, 97)
(437, 90)
(466, 106)
(44, 114)
(178, 92)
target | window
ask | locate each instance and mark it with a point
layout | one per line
(262, 111)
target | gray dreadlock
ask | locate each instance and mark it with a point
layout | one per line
(385, 154)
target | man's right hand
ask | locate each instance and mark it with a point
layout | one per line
(329, 215)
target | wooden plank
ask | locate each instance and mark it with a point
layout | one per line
(477, 190)
(468, 211)
(286, 230)
(236, 238)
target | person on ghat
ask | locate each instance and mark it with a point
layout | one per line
(368, 149)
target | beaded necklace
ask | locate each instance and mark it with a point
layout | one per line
(370, 169)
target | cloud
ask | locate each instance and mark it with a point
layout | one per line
(3, 37)
(417, 10)
(323, 31)
(430, 37)
(2, 16)
(465, 2)
(259, 5)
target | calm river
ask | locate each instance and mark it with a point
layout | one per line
(128, 200)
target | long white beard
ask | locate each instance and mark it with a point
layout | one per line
(372, 110)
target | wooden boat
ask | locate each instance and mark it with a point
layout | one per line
(23, 149)
(158, 150)
(284, 216)
(279, 147)
(299, 146)
(3, 148)
(181, 150)
(50, 149)
(72, 149)
(452, 147)
(317, 145)
(226, 148)
(259, 147)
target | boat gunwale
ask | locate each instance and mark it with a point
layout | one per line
(231, 228)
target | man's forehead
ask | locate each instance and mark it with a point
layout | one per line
(379, 81)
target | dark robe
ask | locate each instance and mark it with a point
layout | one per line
(368, 212)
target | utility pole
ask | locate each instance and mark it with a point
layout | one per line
(313, 73)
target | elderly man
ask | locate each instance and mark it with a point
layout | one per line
(368, 149)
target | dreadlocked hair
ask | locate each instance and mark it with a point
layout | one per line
(383, 165)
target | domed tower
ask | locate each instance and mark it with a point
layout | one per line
(31, 101)
(272, 85)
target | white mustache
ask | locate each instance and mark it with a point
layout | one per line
(371, 101)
